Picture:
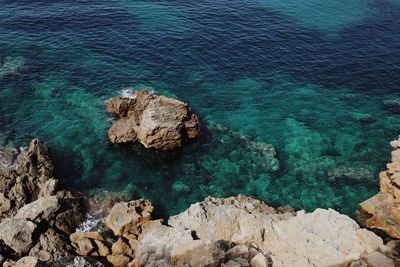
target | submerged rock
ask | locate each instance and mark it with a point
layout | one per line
(382, 211)
(154, 121)
(392, 105)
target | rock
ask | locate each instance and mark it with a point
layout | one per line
(10, 158)
(363, 118)
(9, 263)
(154, 121)
(70, 215)
(118, 260)
(392, 105)
(5, 204)
(48, 188)
(259, 261)
(126, 218)
(382, 211)
(239, 219)
(121, 247)
(240, 251)
(43, 209)
(37, 161)
(31, 180)
(166, 246)
(51, 247)
(334, 239)
(75, 237)
(198, 253)
(85, 244)
(17, 234)
(102, 249)
(377, 259)
(352, 174)
(84, 247)
(28, 261)
(121, 106)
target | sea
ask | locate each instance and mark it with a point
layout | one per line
(317, 80)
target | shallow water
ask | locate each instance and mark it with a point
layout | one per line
(308, 77)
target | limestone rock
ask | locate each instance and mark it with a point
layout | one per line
(102, 249)
(5, 204)
(32, 179)
(121, 106)
(28, 261)
(88, 243)
(10, 158)
(239, 219)
(51, 247)
(333, 238)
(259, 261)
(126, 218)
(70, 214)
(156, 246)
(377, 259)
(17, 234)
(121, 247)
(118, 260)
(154, 121)
(198, 253)
(382, 211)
(288, 238)
(37, 161)
(42, 209)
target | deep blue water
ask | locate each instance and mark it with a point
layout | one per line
(308, 77)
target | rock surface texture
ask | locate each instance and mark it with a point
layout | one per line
(382, 211)
(242, 231)
(235, 231)
(155, 121)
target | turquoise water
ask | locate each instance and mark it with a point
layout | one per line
(307, 77)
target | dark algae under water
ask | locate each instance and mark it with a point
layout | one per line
(309, 77)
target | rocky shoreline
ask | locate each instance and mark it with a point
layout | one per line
(39, 220)
(44, 224)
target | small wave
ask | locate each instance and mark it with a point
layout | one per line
(91, 222)
(128, 93)
(131, 92)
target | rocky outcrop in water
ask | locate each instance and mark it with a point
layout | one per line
(36, 216)
(382, 211)
(154, 121)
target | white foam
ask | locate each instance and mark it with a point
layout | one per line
(128, 93)
(91, 222)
